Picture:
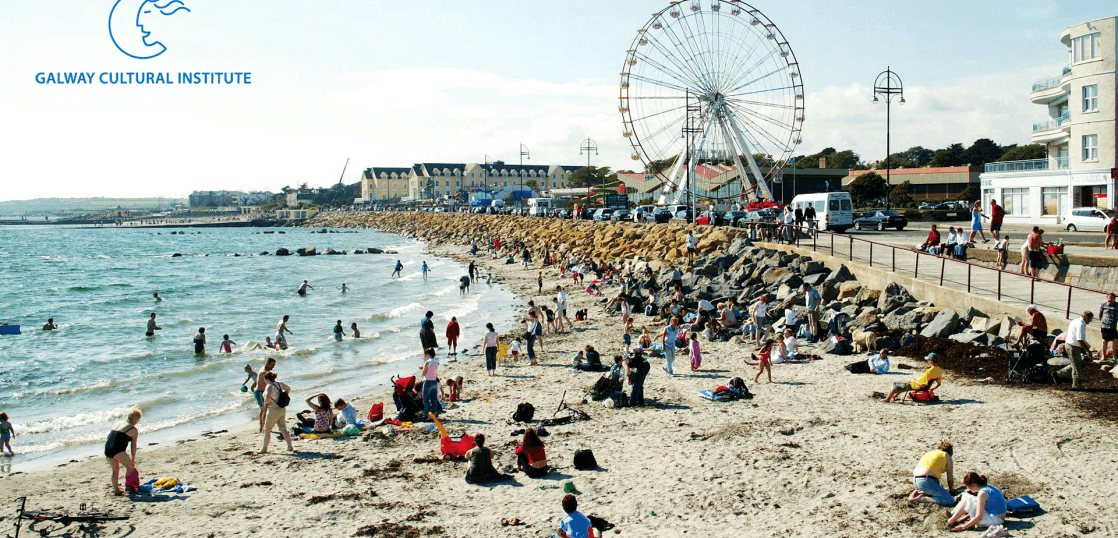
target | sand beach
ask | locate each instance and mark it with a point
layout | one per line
(812, 454)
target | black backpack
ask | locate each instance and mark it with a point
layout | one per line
(284, 398)
(524, 412)
(584, 460)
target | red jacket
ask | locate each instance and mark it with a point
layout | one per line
(452, 330)
(996, 215)
(933, 238)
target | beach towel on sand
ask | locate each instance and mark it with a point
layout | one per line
(724, 394)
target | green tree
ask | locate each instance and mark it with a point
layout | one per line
(866, 187)
(981, 152)
(590, 176)
(914, 157)
(1023, 153)
(900, 196)
(950, 156)
(658, 166)
(969, 194)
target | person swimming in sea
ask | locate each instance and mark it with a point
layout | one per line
(50, 326)
(227, 344)
(353, 327)
(338, 332)
(158, 299)
(152, 327)
(425, 270)
(200, 341)
(344, 288)
(303, 288)
(399, 267)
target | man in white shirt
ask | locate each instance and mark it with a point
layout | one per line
(561, 313)
(789, 226)
(879, 364)
(692, 244)
(1076, 346)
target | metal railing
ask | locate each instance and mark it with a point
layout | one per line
(1067, 70)
(1017, 166)
(1046, 84)
(1061, 163)
(1054, 123)
(1000, 284)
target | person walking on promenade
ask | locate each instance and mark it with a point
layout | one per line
(281, 328)
(1112, 233)
(1035, 244)
(1077, 347)
(667, 341)
(976, 222)
(492, 341)
(997, 214)
(1108, 326)
(809, 216)
(152, 326)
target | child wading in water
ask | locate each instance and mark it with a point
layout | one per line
(764, 361)
(6, 433)
(696, 354)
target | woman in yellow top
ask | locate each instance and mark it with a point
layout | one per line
(926, 475)
(930, 380)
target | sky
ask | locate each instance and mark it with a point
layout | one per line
(395, 83)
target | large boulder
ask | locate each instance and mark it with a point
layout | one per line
(772, 274)
(374, 251)
(307, 251)
(894, 296)
(840, 275)
(815, 279)
(848, 289)
(943, 325)
(283, 252)
(837, 347)
(812, 267)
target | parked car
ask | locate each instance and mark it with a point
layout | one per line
(714, 218)
(833, 210)
(734, 218)
(683, 215)
(933, 206)
(659, 215)
(602, 214)
(757, 215)
(1087, 219)
(621, 215)
(881, 219)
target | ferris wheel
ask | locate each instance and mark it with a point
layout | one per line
(712, 100)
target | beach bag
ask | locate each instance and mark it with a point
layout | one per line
(601, 390)
(376, 412)
(284, 399)
(738, 385)
(524, 412)
(132, 481)
(1022, 505)
(584, 460)
(923, 396)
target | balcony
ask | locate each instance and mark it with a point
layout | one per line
(1067, 70)
(1018, 166)
(1052, 89)
(1046, 83)
(1051, 130)
(1061, 163)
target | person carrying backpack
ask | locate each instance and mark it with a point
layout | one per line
(276, 399)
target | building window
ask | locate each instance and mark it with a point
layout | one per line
(1091, 147)
(1051, 199)
(1016, 201)
(1086, 47)
(1091, 98)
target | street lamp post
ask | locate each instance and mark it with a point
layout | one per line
(523, 153)
(588, 145)
(888, 85)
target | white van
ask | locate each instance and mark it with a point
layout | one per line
(833, 210)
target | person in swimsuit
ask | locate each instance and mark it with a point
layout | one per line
(117, 445)
(50, 326)
(303, 288)
(200, 341)
(353, 327)
(250, 379)
(258, 390)
(6, 433)
(152, 326)
(281, 328)
(227, 344)
(158, 299)
(276, 415)
(424, 270)
(338, 332)
(399, 267)
(764, 361)
(344, 288)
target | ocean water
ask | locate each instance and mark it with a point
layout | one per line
(64, 389)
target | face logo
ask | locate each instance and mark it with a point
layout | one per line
(126, 25)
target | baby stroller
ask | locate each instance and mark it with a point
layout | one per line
(1030, 365)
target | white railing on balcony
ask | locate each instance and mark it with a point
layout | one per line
(1061, 163)
(1018, 166)
(1055, 123)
